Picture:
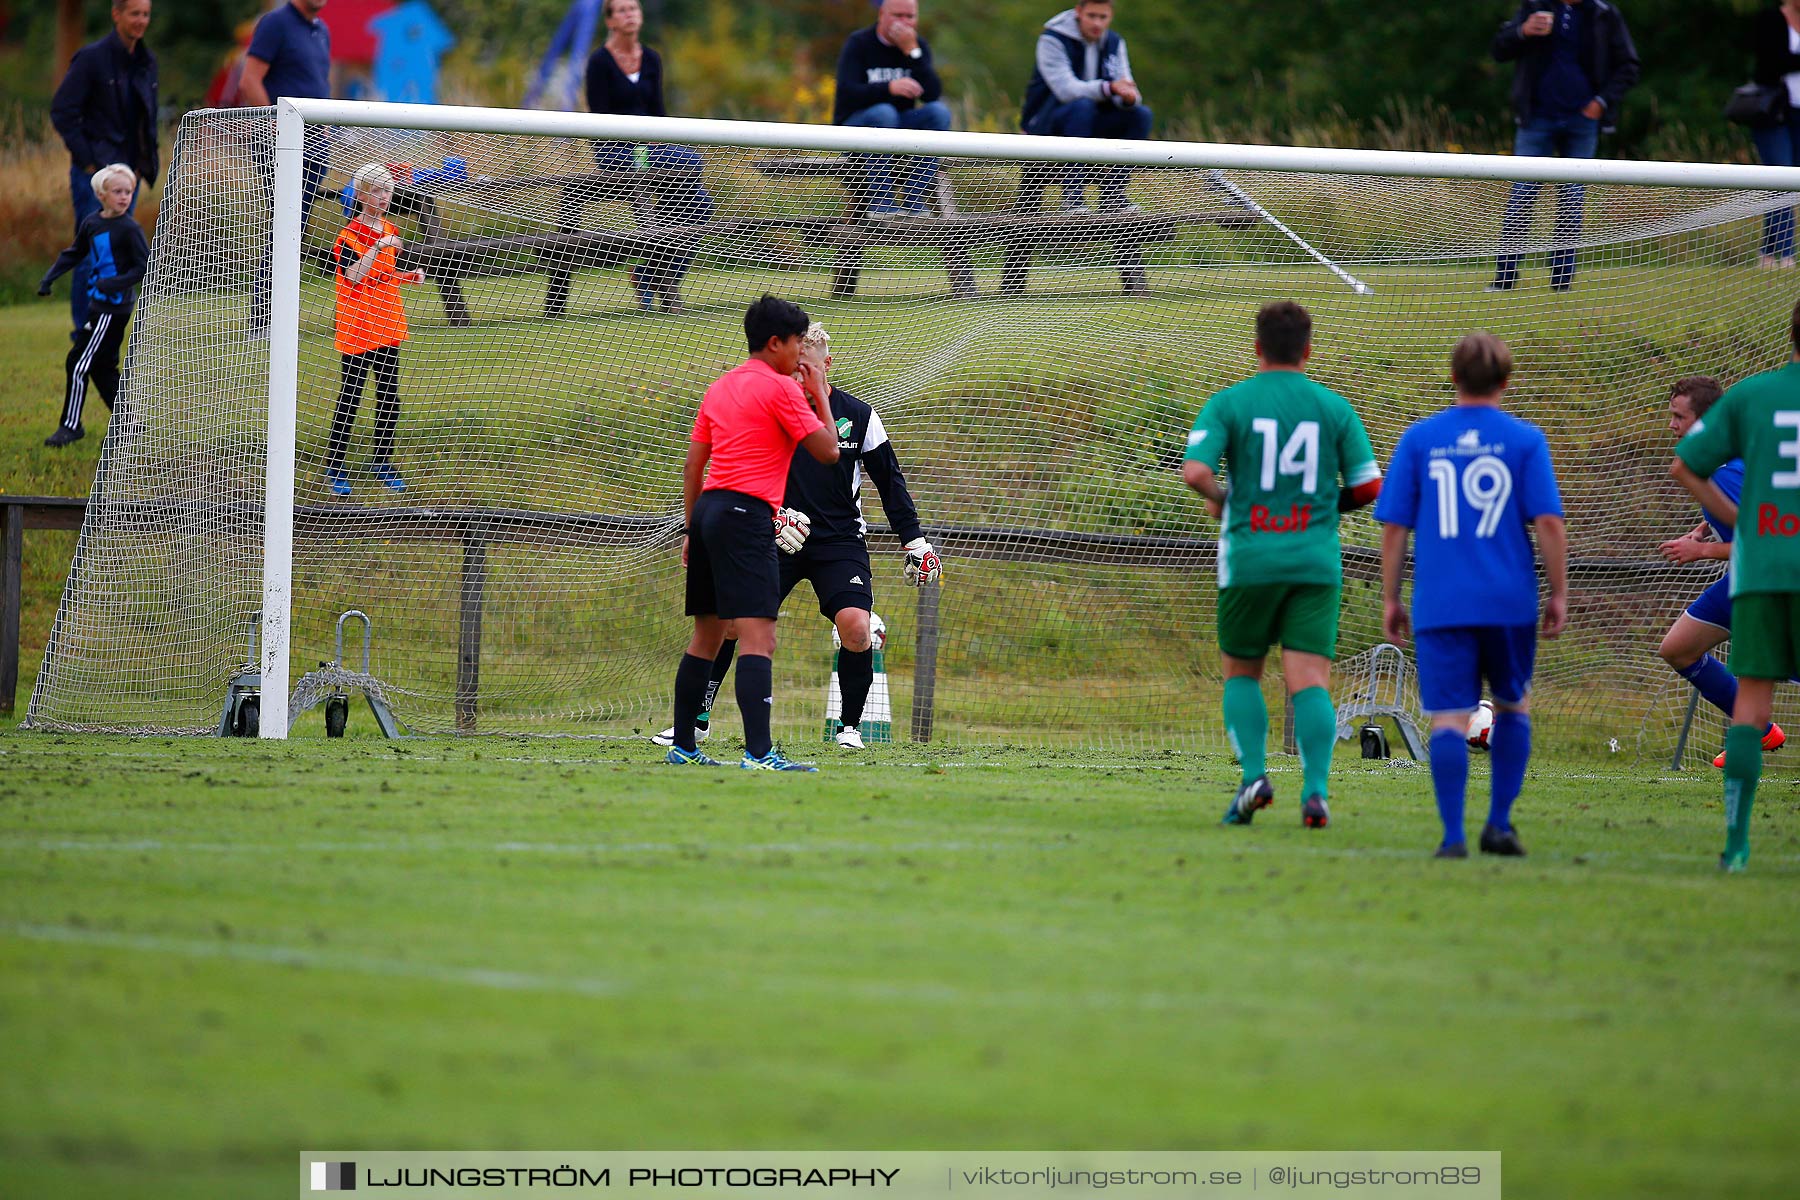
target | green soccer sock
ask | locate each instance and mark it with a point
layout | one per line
(1743, 767)
(1315, 732)
(1247, 723)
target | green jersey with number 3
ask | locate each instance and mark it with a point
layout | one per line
(1288, 445)
(1758, 420)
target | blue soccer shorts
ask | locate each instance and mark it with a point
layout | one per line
(1453, 662)
(1713, 606)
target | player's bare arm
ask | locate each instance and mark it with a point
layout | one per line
(1706, 492)
(693, 474)
(1395, 622)
(1553, 546)
(1694, 546)
(1200, 477)
(821, 443)
(251, 91)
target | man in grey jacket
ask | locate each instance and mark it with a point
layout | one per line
(1082, 87)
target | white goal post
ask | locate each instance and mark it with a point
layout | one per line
(1276, 226)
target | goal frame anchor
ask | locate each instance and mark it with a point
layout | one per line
(1382, 694)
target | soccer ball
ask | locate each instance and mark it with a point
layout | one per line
(1481, 724)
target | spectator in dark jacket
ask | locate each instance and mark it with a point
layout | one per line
(105, 110)
(886, 80)
(1574, 63)
(625, 77)
(1775, 44)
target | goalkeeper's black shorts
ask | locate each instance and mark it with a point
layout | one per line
(838, 571)
(731, 567)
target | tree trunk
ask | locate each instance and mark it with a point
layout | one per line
(70, 33)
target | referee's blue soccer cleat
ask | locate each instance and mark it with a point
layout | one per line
(385, 472)
(339, 481)
(677, 757)
(1256, 794)
(774, 760)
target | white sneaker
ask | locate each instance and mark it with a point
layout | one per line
(667, 736)
(849, 738)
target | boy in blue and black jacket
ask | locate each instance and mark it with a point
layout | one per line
(114, 251)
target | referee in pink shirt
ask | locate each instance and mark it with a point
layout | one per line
(750, 420)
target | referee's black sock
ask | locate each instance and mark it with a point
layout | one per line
(720, 665)
(756, 700)
(690, 690)
(856, 674)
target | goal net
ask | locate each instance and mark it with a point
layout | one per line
(1036, 334)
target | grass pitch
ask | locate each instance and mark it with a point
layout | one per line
(214, 954)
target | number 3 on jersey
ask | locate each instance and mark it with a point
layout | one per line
(1299, 457)
(1486, 484)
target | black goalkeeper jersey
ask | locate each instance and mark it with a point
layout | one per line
(831, 493)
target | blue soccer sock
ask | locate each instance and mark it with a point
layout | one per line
(1509, 747)
(1713, 680)
(1450, 780)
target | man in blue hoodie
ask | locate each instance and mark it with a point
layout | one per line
(1082, 87)
(886, 80)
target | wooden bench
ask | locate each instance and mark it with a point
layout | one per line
(448, 260)
(844, 235)
(1022, 229)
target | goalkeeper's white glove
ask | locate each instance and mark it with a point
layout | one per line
(922, 563)
(791, 528)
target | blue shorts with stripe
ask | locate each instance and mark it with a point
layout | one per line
(1714, 604)
(1453, 662)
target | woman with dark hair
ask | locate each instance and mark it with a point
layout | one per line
(1775, 42)
(625, 77)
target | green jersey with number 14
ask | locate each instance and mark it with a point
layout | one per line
(1286, 443)
(1758, 420)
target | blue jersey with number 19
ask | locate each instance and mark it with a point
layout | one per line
(1466, 482)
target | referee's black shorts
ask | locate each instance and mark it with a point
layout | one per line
(838, 571)
(731, 567)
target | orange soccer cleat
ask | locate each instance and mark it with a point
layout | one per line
(1773, 740)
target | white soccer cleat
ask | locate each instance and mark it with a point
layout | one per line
(667, 736)
(849, 738)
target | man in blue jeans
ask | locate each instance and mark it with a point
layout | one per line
(1081, 86)
(886, 80)
(105, 111)
(289, 55)
(1575, 62)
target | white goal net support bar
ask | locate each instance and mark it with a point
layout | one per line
(1037, 326)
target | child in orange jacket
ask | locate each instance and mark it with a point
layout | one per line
(371, 324)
